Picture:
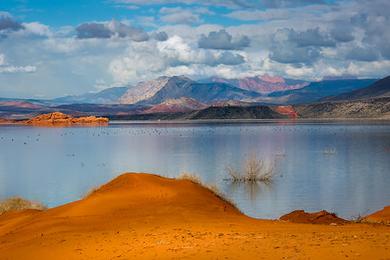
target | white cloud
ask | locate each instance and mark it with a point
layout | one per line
(15, 69)
(2, 59)
(185, 17)
(7, 68)
(352, 38)
(38, 29)
(152, 59)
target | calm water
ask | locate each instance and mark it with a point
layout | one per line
(56, 165)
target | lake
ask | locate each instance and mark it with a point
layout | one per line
(342, 167)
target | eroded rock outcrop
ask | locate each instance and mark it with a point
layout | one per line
(320, 217)
(61, 119)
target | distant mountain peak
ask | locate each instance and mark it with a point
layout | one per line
(272, 79)
(183, 104)
(377, 89)
(263, 84)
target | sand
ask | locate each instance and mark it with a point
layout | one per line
(141, 216)
(381, 216)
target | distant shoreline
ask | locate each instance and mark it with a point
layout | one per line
(239, 121)
(229, 121)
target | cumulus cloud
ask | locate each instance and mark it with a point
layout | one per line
(290, 46)
(362, 54)
(229, 3)
(15, 69)
(293, 54)
(342, 33)
(310, 37)
(179, 15)
(10, 27)
(315, 40)
(222, 40)
(37, 29)
(157, 58)
(253, 15)
(374, 19)
(185, 17)
(7, 68)
(290, 3)
(160, 36)
(107, 30)
(8, 24)
(93, 30)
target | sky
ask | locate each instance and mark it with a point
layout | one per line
(52, 48)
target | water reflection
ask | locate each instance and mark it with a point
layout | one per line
(343, 168)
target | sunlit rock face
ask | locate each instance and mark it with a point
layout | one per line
(61, 119)
(264, 84)
(143, 90)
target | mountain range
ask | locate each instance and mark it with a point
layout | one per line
(264, 84)
(262, 89)
(317, 91)
(180, 94)
(377, 90)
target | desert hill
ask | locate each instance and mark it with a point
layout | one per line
(146, 216)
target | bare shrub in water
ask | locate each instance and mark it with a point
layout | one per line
(235, 176)
(254, 170)
(17, 204)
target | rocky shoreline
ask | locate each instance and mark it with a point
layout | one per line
(58, 119)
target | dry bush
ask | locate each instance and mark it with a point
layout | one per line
(190, 176)
(254, 170)
(17, 204)
(235, 176)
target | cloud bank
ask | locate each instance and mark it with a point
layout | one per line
(234, 38)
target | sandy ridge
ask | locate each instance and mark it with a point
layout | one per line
(146, 217)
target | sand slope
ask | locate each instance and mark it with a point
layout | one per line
(146, 216)
(381, 216)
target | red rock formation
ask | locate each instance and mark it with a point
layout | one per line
(320, 217)
(5, 121)
(60, 119)
(287, 110)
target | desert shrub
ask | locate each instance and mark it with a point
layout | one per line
(253, 170)
(190, 176)
(357, 219)
(17, 204)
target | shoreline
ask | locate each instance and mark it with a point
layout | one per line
(218, 121)
(239, 121)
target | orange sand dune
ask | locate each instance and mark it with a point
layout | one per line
(140, 216)
(382, 216)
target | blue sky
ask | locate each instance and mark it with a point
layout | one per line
(59, 13)
(55, 48)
